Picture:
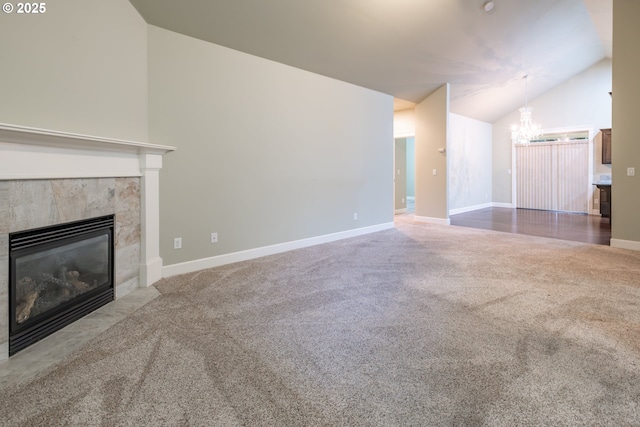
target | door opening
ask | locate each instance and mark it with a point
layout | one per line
(404, 175)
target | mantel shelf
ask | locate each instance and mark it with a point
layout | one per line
(31, 153)
(50, 138)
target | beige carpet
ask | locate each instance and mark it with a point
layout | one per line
(422, 325)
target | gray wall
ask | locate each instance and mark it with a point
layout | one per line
(80, 67)
(432, 122)
(469, 169)
(411, 167)
(625, 148)
(266, 153)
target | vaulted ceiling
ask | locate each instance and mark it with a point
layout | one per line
(409, 48)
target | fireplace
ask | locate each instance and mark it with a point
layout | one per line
(50, 177)
(57, 275)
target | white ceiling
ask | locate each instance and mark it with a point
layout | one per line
(409, 48)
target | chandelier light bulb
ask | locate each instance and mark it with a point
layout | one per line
(527, 130)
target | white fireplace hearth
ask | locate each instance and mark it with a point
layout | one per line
(49, 177)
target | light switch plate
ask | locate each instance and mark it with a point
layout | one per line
(631, 171)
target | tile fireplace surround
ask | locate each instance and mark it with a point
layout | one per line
(49, 177)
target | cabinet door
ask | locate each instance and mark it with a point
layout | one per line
(605, 205)
(606, 146)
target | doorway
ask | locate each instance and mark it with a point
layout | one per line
(404, 175)
(554, 172)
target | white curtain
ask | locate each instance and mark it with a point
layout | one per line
(553, 176)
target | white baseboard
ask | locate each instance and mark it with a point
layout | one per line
(399, 211)
(502, 205)
(625, 244)
(216, 261)
(429, 220)
(470, 208)
(150, 272)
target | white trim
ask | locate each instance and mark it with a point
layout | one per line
(22, 162)
(430, 220)
(150, 271)
(150, 261)
(31, 153)
(625, 244)
(469, 208)
(405, 134)
(400, 211)
(52, 138)
(569, 129)
(216, 261)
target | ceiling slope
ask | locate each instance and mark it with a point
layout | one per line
(409, 48)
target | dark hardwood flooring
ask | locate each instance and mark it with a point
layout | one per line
(558, 225)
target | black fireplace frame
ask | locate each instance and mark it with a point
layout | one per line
(22, 243)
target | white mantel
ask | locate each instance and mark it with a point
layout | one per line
(31, 153)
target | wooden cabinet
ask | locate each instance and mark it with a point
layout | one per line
(605, 200)
(606, 146)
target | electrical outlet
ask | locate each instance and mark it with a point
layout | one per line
(435, 172)
(214, 237)
(631, 171)
(355, 216)
(177, 243)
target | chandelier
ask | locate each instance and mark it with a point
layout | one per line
(527, 130)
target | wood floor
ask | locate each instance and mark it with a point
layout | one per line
(558, 225)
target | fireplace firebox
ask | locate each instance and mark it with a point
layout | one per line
(57, 275)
